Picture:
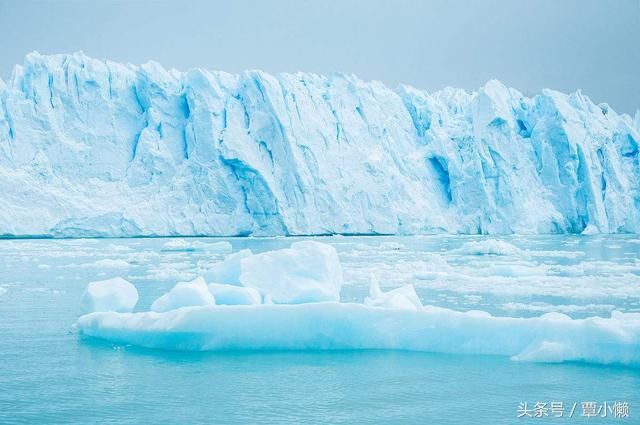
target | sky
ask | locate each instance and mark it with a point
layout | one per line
(592, 45)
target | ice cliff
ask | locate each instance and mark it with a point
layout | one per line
(96, 148)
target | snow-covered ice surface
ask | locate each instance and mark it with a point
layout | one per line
(584, 277)
(92, 147)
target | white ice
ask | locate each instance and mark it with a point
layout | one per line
(227, 271)
(403, 298)
(112, 295)
(487, 247)
(184, 294)
(309, 271)
(338, 326)
(234, 295)
(194, 316)
(211, 153)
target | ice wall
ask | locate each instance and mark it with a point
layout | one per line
(97, 148)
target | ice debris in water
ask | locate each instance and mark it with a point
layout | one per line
(184, 294)
(115, 295)
(296, 278)
(487, 247)
(179, 244)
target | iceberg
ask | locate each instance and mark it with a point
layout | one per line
(552, 337)
(487, 247)
(184, 245)
(97, 148)
(217, 317)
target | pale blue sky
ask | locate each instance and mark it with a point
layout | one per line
(563, 44)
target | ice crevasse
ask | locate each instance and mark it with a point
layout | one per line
(246, 313)
(96, 148)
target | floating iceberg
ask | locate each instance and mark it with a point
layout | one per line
(194, 316)
(178, 244)
(553, 337)
(84, 143)
(487, 247)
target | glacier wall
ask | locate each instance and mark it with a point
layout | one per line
(97, 148)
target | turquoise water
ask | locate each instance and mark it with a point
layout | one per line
(50, 374)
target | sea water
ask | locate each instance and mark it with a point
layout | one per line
(51, 374)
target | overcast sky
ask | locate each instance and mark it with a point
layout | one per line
(562, 44)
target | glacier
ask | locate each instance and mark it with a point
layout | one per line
(94, 148)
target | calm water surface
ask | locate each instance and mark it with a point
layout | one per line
(49, 374)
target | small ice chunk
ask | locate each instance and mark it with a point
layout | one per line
(185, 245)
(184, 294)
(110, 295)
(487, 247)
(221, 247)
(177, 245)
(403, 298)
(109, 263)
(234, 295)
(309, 271)
(227, 271)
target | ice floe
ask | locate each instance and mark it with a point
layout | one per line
(289, 299)
(332, 325)
(108, 263)
(180, 244)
